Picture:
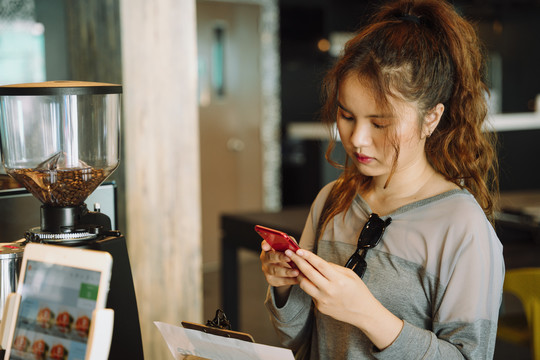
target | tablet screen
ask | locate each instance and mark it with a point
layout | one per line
(54, 315)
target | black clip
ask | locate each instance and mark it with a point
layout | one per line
(220, 321)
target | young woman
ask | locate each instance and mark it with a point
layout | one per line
(399, 259)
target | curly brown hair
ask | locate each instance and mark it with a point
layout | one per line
(422, 51)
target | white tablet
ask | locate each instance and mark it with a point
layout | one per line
(59, 289)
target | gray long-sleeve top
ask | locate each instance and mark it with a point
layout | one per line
(439, 267)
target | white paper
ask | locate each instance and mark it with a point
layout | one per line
(184, 342)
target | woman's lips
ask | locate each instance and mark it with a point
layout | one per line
(364, 159)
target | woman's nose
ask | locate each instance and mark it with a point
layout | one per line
(361, 135)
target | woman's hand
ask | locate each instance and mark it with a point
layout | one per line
(338, 292)
(278, 272)
(276, 268)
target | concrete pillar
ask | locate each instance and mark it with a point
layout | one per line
(159, 62)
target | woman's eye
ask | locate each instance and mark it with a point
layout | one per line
(346, 117)
(379, 124)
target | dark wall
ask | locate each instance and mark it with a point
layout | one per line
(511, 29)
(518, 160)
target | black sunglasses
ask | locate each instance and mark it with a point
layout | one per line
(370, 236)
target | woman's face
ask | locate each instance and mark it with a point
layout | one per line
(369, 133)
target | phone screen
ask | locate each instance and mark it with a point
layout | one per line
(54, 315)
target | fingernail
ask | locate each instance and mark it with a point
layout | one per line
(299, 252)
(288, 252)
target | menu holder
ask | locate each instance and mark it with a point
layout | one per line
(196, 341)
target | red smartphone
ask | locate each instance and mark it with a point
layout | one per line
(278, 240)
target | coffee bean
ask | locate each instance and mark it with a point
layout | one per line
(60, 187)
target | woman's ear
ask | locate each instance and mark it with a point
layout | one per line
(431, 120)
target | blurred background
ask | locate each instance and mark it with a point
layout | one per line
(261, 149)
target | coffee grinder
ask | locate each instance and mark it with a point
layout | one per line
(60, 140)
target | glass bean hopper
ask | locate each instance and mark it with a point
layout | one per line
(60, 140)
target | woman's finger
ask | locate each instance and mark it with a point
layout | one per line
(282, 271)
(274, 257)
(277, 275)
(277, 282)
(265, 246)
(310, 271)
(326, 269)
(309, 287)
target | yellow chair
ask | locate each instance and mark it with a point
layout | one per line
(523, 283)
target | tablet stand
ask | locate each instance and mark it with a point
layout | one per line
(12, 303)
(99, 338)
